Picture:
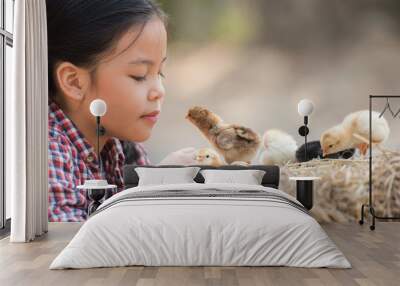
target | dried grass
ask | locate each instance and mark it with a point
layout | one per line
(343, 187)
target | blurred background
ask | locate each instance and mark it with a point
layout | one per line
(252, 61)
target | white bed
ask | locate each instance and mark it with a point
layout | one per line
(269, 229)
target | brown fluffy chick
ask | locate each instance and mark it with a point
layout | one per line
(232, 141)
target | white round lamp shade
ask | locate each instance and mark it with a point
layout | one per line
(98, 107)
(305, 107)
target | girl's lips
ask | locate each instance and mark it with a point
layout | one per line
(153, 116)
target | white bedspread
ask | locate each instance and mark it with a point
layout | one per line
(183, 231)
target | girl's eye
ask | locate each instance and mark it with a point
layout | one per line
(143, 78)
(138, 78)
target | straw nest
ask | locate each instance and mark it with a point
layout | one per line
(343, 187)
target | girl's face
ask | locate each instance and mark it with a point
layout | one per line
(131, 82)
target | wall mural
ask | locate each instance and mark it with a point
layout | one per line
(219, 83)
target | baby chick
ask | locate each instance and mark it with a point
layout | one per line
(232, 141)
(280, 148)
(314, 151)
(353, 132)
(208, 156)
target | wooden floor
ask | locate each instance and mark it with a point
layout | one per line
(375, 257)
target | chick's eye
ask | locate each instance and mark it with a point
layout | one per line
(207, 156)
(330, 146)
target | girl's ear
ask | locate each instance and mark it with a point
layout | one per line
(72, 80)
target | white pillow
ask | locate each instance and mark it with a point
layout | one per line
(249, 177)
(162, 176)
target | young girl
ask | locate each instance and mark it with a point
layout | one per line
(114, 50)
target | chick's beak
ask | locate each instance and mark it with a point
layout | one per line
(189, 116)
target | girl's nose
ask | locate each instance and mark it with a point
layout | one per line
(157, 93)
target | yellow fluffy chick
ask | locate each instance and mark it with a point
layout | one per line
(280, 148)
(353, 132)
(207, 156)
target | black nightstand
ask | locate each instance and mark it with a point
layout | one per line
(96, 191)
(304, 190)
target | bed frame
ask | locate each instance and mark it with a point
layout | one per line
(131, 178)
(270, 179)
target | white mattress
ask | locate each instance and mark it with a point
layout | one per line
(189, 231)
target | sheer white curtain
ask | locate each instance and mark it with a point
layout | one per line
(26, 124)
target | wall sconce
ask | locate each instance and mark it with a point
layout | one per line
(305, 108)
(96, 189)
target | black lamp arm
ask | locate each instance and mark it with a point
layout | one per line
(98, 140)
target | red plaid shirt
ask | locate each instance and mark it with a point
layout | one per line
(72, 160)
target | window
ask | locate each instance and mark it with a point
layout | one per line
(6, 60)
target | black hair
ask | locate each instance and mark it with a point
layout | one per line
(81, 31)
